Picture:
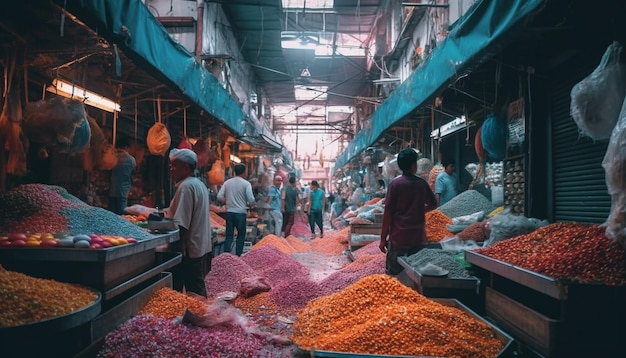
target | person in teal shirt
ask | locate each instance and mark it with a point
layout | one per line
(316, 202)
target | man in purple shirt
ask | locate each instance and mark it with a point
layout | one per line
(407, 200)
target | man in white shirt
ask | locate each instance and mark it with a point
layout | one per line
(237, 194)
(190, 208)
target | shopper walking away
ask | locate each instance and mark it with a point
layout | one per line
(190, 208)
(274, 199)
(121, 178)
(236, 193)
(316, 202)
(447, 183)
(290, 200)
(407, 200)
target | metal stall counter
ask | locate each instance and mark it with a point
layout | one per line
(124, 277)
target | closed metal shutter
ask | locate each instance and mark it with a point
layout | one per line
(580, 192)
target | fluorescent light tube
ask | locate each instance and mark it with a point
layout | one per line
(69, 90)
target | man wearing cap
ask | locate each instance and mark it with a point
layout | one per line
(190, 208)
(274, 201)
(237, 194)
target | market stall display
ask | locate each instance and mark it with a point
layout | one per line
(40, 208)
(379, 315)
(50, 234)
(559, 289)
(437, 226)
(363, 234)
(31, 304)
(514, 185)
(440, 273)
(48, 312)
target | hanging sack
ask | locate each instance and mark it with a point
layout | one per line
(184, 144)
(216, 174)
(597, 99)
(53, 121)
(158, 139)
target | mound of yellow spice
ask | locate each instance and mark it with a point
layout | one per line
(380, 315)
(26, 299)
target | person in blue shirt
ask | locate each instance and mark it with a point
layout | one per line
(447, 183)
(316, 202)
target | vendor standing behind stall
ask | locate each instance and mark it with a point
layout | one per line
(190, 208)
(236, 193)
(447, 183)
(407, 200)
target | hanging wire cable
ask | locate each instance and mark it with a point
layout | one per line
(258, 53)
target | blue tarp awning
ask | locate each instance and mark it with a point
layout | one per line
(130, 25)
(485, 26)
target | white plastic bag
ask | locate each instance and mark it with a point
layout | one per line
(597, 99)
(468, 219)
(507, 225)
(614, 164)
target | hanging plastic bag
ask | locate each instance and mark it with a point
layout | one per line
(158, 139)
(614, 164)
(493, 136)
(507, 225)
(597, 99)
(53, 121)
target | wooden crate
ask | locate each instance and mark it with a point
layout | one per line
(537, 330)
(556, 318)
(366, 229)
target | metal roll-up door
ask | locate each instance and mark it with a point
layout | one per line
(580, 191)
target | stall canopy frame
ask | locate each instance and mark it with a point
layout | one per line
(481, 31)
(130, 25)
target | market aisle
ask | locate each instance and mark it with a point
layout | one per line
(302, 230)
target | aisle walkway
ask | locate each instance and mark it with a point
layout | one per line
(302, 230)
